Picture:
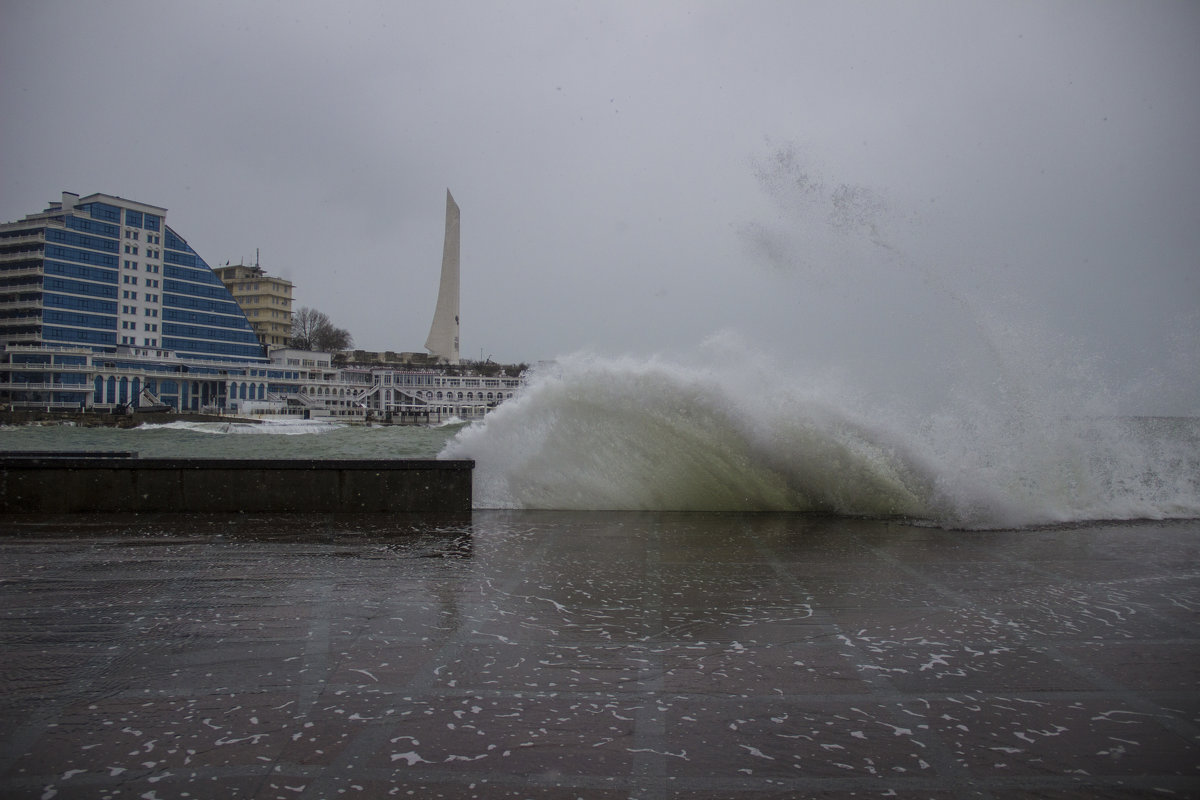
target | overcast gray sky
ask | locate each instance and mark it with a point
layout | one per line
(880, 187)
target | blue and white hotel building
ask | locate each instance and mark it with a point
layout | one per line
(100, 298)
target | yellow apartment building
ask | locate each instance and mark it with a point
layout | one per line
(266, 300)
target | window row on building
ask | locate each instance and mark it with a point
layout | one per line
(71, 251)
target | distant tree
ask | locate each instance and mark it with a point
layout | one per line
(313, 330)
(333, 339)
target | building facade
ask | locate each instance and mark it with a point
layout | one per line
(102, 272)
(315, 387)
(100, 298)
(265, 299)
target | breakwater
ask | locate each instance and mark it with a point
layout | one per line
(121, 482)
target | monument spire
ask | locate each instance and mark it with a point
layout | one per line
(442, 343)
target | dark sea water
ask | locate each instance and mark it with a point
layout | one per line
(300, 439)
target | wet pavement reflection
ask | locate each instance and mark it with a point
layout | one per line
(596, 655)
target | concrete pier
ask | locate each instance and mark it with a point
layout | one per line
(66, 483)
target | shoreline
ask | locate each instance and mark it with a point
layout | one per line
(96, 419)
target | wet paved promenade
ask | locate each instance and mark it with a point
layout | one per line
(546, 655)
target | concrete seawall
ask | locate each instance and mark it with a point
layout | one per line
(110, 483)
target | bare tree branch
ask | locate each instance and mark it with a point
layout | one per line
(313, 330)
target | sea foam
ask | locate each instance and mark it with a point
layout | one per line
(591, 433)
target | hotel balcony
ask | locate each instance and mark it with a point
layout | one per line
(10, 305)
(16, 256)
(33, 237)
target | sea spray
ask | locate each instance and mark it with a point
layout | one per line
(912, 385)
(649, 434)
(593, 433)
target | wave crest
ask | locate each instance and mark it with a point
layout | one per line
(624, 434)
(600, 434)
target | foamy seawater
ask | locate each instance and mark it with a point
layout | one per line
(597, 434)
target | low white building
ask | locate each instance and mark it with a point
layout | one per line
(382, 393)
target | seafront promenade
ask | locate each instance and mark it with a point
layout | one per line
(595, 655)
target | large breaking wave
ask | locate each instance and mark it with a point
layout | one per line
(626, 434)
(958, 404)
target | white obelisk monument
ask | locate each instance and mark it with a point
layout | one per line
(442, 343)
